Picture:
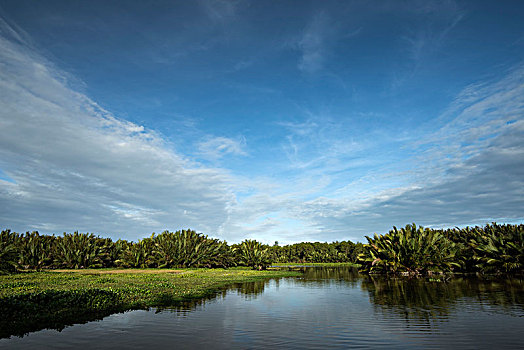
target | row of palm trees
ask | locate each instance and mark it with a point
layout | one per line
(184, 248)
(422, 251)
(411, 250)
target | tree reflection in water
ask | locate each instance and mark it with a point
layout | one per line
(248, 289)
(425, 300)
(329, 274)
(416, 301)
(55, 316)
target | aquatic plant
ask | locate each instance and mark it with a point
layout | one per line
(253, 254)
(78, 250)
(138, 254)
(499, 249)
(8, 251)
(187, 248)
(33, 301)
(35, 250)
(410, 250)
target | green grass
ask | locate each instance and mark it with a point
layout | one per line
(139, 288)
(31, 301)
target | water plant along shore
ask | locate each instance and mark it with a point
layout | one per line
(412, 250)
(31, 301)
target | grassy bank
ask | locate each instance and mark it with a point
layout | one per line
(36, 300)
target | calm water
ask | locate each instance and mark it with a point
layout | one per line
(327, 308)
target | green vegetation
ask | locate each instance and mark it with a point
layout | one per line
(104, 277)
(412, 250)
(254, 254)
(8, 252)
(409, 250)
(35, 300)
(499, 248)
(316, 252)
(417, 251)
(180, 249)
(189, 249)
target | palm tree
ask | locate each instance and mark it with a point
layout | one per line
(254, 254)
(8, 251)
(500, 248)
(78, 250)
(187, 248)
(410, 250)
(35, 250)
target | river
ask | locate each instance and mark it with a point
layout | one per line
(326, 308)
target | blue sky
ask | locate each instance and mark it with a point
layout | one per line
(289, 121)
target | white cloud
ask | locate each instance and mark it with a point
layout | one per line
(76, 166)
(73, 165)
(467, 168)
(468, 171)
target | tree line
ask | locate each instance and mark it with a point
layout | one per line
(411, 250)
(419, 251)
(180, 249)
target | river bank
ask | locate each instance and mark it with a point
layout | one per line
(36, 300)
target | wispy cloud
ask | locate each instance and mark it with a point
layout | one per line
(425, 37)
(428, 37)
(468, 171)
(466, 168)
(313, 44)
(477, 117)
(66, 163)
(322, 142)
(74, 165)
(219, 10)
(214, 148)
(14, 32)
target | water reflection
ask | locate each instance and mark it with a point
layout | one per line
(323, 308)
(329, 274)
(422, 300)
(16, 320)
(25, 323)
(250, 290)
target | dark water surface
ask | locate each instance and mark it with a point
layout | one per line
(326, 308)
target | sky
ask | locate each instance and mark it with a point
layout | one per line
(283, 121)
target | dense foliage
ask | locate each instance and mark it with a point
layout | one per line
(411, 250)
(8, 251)
(418, 251)
(252, 253)
(184, 248)
(316, 252)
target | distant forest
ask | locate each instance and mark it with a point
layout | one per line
(412, 250)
